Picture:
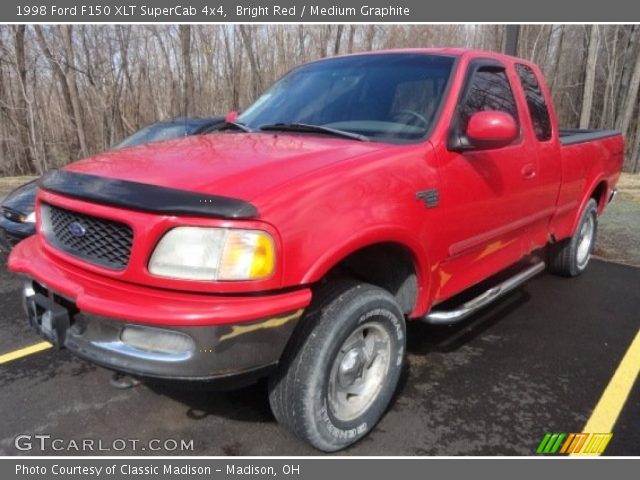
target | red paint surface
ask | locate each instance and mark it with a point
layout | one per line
(492, 127)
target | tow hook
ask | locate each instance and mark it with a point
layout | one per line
(122, 381)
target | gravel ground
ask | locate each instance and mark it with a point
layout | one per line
(619, 227)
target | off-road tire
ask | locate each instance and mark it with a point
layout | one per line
(299, 390)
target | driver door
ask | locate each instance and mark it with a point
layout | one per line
(485, 193)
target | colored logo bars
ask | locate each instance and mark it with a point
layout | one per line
(574, 443)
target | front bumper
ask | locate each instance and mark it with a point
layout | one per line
(219, 336)
(209, 352)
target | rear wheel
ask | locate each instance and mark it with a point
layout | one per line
(339, 375)
(570, 257)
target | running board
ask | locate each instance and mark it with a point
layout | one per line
(448, 317)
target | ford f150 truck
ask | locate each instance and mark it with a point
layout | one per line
(358, 193)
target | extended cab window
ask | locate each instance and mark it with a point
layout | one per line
(489, 90)
(385, 97)
(536, 103)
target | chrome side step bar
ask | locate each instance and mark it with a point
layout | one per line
(448, 317)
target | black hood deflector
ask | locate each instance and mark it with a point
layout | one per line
(145, 197)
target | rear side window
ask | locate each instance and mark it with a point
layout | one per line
(535, 101)
(489, 90)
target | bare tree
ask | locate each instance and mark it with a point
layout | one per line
(131, 75)
(187, 68)
(635, 151)
(352, 37)
(233, 67)
(247, 40)
(554, 53)
(22, 110)
(336, 45)
(73, 87)
(64, 76)
(631, 99)
(370, 36)
(590, 77)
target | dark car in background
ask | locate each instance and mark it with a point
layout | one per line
(18, 217)
(168, 129)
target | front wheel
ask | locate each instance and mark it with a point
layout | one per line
(339, 375)
(570, 257)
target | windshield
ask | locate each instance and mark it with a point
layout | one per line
(155, 133)
(385, 97)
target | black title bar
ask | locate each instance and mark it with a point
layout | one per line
(296, 11)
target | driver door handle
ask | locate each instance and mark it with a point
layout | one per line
(529, 171)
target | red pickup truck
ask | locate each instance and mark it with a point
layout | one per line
(356, 194)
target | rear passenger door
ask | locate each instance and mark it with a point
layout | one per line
(486, 194)
(549, 173)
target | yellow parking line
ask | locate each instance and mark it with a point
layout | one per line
(613, 398)
(23, 352)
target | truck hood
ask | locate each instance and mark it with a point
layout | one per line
(235, 165)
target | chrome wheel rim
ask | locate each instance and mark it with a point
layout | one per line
(585, 240)
(359, 371)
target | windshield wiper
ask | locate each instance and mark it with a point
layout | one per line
(304, 127)
(236, 125)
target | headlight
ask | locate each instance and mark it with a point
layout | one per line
(31, 218)
(197, 253)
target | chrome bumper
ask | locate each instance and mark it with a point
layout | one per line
(172, 352)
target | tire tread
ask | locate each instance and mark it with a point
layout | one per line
(286, 392)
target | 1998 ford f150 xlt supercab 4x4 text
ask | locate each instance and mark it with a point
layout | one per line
(357, 193)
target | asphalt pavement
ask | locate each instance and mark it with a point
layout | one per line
(537, 361)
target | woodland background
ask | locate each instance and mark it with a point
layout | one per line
(67, 91)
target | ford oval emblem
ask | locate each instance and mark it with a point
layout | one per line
(76, 229)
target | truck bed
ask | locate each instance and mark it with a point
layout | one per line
(570, 136)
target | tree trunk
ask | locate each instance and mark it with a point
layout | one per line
(555, 52)
(301, 41)
(631, 99)
(336, 47)
(168, 70)
(510, 45)
(624, 76)
(590, 78)
(370, 36)
(58, 73)
(352, 35)
(67, 31)
(635, 151)
(22, 104)
(5, 92)
(233, 72)
(256, 75)
(187, 69)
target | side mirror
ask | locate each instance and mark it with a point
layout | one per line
(491, 129)
(231, 117)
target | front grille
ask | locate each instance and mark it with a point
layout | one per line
(96, 240)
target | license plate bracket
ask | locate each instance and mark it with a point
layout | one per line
(48, 318)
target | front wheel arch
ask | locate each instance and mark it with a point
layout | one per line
(392, 236)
